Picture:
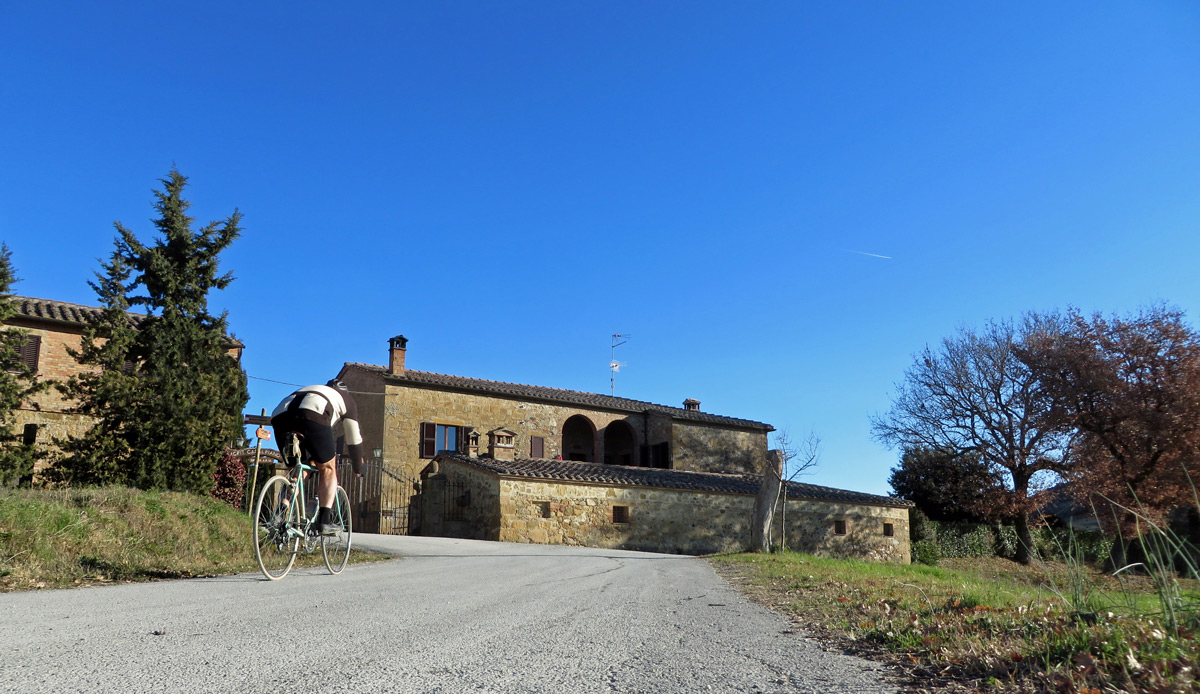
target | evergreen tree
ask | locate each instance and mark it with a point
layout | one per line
(168, 395)
(17, 382)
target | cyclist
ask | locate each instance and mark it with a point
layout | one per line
(313, 412)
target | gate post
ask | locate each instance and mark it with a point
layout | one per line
(433, 506)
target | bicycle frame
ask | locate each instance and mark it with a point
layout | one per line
(282, 520)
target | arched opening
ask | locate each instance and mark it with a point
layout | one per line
(619, 445)
(579, 439)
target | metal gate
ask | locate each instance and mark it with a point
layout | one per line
(381, 498)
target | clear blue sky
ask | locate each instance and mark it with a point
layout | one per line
(508, 184)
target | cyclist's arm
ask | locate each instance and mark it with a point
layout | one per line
(354, 440)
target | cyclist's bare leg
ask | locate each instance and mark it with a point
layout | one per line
(327, 483)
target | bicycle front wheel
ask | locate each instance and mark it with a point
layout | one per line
(274, 514)
(336, 548)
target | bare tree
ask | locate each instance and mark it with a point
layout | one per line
(796, 460)
(973, 395)
(765, 502)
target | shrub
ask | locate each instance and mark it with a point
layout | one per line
(229, 480)
(965, 540)
(920, 527)
(1006, 541)
(926, 552)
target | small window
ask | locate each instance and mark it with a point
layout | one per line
(537, 447)
(839, 527)
(620, 514)
(28, 352)
(29, 435)
(889, 530)
(543, 508)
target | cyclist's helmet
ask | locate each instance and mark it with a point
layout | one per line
(337, 384)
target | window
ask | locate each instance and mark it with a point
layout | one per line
(660, 455)
(439, 438)
(543, 508)
(889, 530)
(29, 435)
(839, 527)
(28, 353)
(537, 447)
(620, 514)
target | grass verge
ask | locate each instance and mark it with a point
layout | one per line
(978, 624)
(71, 537)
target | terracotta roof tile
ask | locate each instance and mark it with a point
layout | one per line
(574, 397)
(618, 475)
(62, 312)
(59, 311)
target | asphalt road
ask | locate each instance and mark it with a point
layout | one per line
(447, 616)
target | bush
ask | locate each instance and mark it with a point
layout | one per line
(920, 527)
(1088, 547)
(1006, 542)
(966, 540)
(926, 552)
(229, 480)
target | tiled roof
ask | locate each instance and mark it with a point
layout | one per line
(573, 397)
(618, 475)
(62, 312)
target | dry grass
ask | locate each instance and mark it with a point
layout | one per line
(71, 537)
(978, 624)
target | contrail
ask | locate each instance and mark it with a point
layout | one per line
(873, 255)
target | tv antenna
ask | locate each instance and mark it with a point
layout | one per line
(613, 365)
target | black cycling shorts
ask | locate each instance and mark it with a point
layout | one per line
(318, 443)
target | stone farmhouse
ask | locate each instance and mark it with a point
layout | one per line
(510, 462)
(52, 328)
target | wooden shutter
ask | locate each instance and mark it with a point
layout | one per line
(428, 439)
(464, 440)
(537, 447)
(30, 351)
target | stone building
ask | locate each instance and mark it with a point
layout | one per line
(596, 505)
(52, 328)
(504, 461)
(414, 415)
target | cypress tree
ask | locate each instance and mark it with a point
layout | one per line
(168, 395)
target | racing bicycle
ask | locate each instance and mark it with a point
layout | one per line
(285, 519)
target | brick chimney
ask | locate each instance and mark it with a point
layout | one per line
(397, 346)
(691, 404)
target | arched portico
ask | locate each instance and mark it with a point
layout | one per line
(620, 444)
(579, 439)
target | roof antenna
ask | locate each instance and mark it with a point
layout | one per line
(613, 365)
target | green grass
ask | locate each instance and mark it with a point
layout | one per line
(70, 537)
(983, 624)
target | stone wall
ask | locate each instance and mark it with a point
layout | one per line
(368, 395)
(677, 521)
(711, 448)
(49, 410)
(464, 504)
(405, 407)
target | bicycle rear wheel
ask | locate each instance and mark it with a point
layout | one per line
(274, 547)
(336, 548)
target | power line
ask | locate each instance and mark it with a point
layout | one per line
(301, 385)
